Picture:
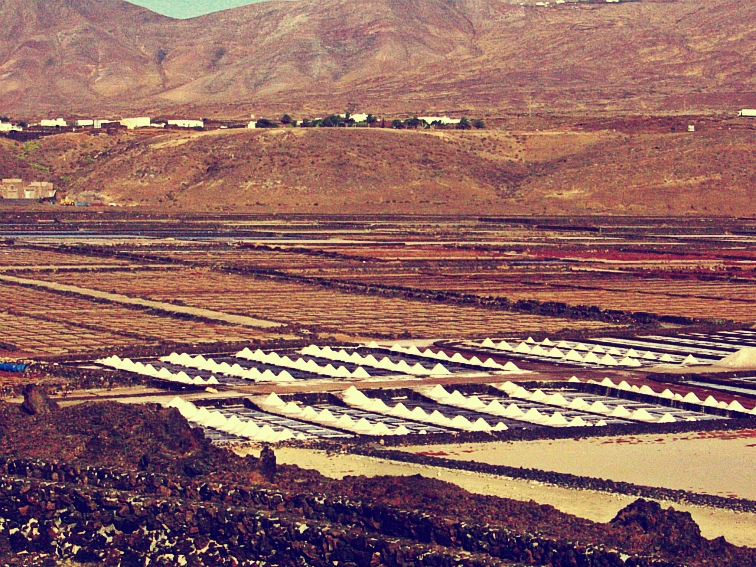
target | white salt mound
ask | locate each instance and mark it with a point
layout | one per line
(744, 358)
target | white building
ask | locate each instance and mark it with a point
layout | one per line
(251, 125)
(140, 122)
(187, 123)
(440, 119)
(101, 123)
(84, 123)
(8, 127)
(53, 122)
(359, 117)
(749, 112)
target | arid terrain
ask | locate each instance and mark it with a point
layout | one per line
(556, 368)
(641, 166)
(478, 57)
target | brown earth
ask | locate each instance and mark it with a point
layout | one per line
(421, 56)
(626, 166)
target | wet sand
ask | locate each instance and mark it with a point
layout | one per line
(738, 528)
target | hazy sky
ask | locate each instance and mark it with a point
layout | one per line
(189, 8)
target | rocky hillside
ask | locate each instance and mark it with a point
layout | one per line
(410, 56)
(640, 167)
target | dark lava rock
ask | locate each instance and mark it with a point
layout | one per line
(268, 463)
(671, 530)
(37, 402)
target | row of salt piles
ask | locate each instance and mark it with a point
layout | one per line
(354, 397)
(232, 425)
(412, 350)
(181, 377)
(569, 353)
(689, 397)
(579, 404)
(326, 417)
(236, 370)
(384, 363)
(512, 411)
(301, 364)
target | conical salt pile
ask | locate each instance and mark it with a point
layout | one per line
(216, 420)
(620, 411)
(537, 396)
(689, 360)
(578, 404)
(460, 422)
(744, 358)
(456, 399)
(438, 393)
(378, 406)
(598, 407)
(480, 425)
(608, 383)
(495, 408)
(291, 409)
(273, 400)
(439, 370)
(512, 410)
(522, 348)
(667, 394)
(667, 418)
(488, 343)
(473, 403)
(642, 415)
(591, 358)
(500, 427)
(354, 397)
(578, 422)
(556, 399)
(360, 372)
(250, 429)
(380, 428)
(534, 416)
(556, 420)
(504, 345)
(363, 426)
(511, 366)
(326, 416)
(647, 390)
(345, 422)
(419, 414)
(573, 356)
(691, 398)
(400, 410)
(437, 418)
(711, 402)
(401, 430)
(735, 405)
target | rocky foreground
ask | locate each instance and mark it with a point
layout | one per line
(111, 484)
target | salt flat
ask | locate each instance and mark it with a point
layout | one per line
(719, 463)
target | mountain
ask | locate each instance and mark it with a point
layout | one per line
(411, 56)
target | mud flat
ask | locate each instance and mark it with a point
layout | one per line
(737, 527)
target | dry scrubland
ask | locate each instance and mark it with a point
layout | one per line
(628, 166)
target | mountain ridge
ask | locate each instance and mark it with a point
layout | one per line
(411, 56)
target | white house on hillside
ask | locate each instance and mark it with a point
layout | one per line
(187, 123)
(140, 122)
(53, 122)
